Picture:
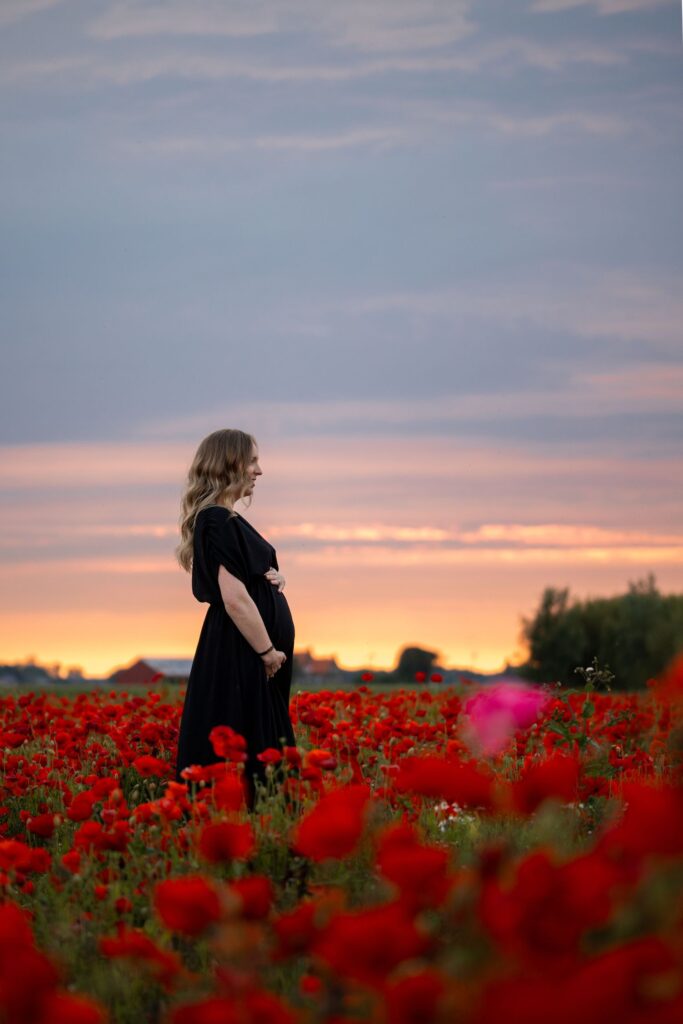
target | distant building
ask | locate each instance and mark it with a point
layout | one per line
(147, 671)
(310, 666)
(9, 676)
(27, 674)
(153, 670)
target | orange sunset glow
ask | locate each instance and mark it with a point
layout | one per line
(92, 580)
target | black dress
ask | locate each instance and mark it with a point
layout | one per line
(228, 683)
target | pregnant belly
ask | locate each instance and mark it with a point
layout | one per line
(275, 613)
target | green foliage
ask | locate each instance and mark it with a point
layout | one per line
(637, 634)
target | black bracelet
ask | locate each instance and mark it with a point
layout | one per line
(272, 647)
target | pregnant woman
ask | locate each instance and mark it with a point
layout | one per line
(242, 669)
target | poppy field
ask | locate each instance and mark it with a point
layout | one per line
(423, 855)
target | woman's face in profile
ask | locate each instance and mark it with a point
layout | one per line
(254, 471)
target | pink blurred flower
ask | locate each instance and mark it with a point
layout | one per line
(493, 716)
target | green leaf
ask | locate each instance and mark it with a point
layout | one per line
(561, 729)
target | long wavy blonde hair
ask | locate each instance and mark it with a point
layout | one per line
(218, 475)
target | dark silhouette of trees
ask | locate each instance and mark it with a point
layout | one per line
(636, 634)
(412, 660)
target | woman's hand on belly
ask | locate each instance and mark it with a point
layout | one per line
(276, 578)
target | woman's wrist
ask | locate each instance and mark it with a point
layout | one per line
(262, 654)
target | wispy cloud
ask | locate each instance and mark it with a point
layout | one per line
(642, 388)
(502, 56)
(574, 120)
(384, 25)
(12, 11)
(600, 6)
(119, 566)
(362, 556)
(371, 532)
(385, 557)
(566, 535)
(494, 536)
(615, 304)
(381, 138)
(91, 465)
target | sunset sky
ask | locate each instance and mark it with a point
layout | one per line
(427, 251)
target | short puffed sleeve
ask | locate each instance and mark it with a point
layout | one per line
(218, 540)
(226, 544)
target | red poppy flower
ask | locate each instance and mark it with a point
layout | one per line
(335, 824)
(270, 756)
(296, 930)
(638, 983)
(72, 861)
(62, 1008)
(214, 1010)
(556, 776)
(187, 905)
(256, 894)
(366, 945)
(137, 946)
(228, 744)
(320, 759)
(229, 792)
(415, 998)
(14, 855)
(420, 872)
(669, 685)
(310, 984)
(80, 807)
(292, 756)
(652, 822)
(457, 782)
(546, 910)
(147, 766)
(28, 981)
(42, 825)
(264, 1008)
(226, 841)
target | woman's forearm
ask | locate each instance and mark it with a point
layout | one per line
(247, 618)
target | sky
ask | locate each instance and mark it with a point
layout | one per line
(428, 252)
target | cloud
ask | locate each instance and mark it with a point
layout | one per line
(637, 390)
(540, 125)
(601, 6)
(380, 137)
(119, 566)
(491, 545)
(386, 557)
(501, 56)
(566, 535)
(371, 532)
(13, 11)
(33, 467)
(380, 26)
(374, 138)
(494, 536)
(608, 303)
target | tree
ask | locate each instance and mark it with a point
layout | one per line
(636, 634)
(412, 660)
